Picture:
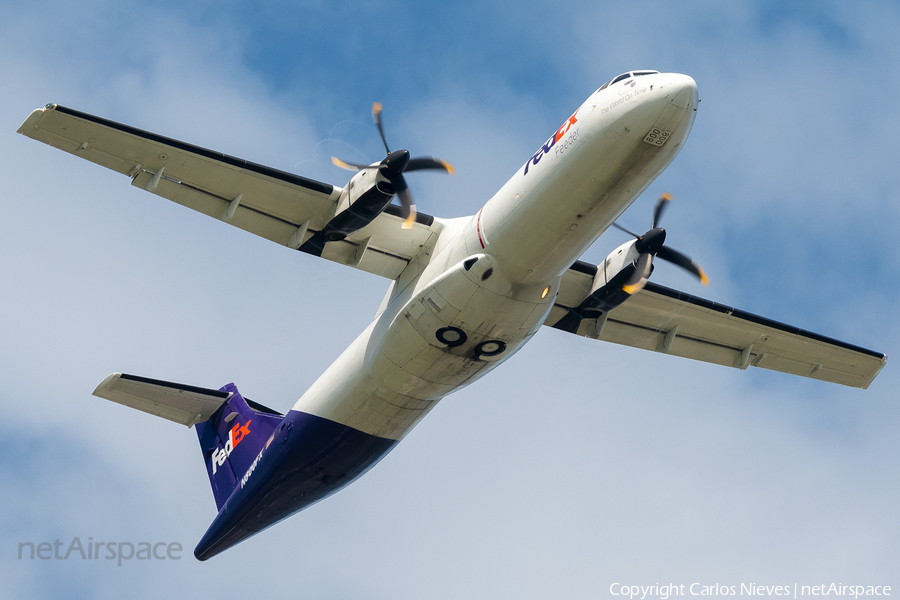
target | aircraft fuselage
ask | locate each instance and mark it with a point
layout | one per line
(467, 302)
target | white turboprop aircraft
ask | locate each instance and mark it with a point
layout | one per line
(465, 294)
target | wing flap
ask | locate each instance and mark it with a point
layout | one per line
(665, 320)
(245, 217)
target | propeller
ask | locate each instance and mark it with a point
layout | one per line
(651, 244)
(394, 165)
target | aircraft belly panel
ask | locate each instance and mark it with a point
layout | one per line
(479, 303)
(392, 375)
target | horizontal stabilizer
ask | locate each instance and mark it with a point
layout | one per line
(185, 404)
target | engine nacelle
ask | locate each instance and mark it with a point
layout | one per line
(612, 274)
(618, 260)
(364, 197)
(607, 290)
(356, 189)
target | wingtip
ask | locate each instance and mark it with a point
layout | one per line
(107, 382)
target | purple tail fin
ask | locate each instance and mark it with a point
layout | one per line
(232, 439)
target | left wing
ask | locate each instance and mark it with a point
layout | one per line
(664, 320)
(284, 208)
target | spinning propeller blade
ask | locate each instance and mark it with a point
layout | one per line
(677, 258)
(616, 225)
(641, 274)
(376, 116)
(351, 166)
(409, 207)
(429, 162)
(651, 244)
(394, 165)
(661, 205)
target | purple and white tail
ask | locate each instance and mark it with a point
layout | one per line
(233, 439)
(232, 430)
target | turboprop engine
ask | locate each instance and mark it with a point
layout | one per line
(371, 190)
(626, 271)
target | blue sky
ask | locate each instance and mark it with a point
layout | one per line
(577, 464)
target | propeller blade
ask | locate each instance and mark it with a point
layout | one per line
(677, 258)
(634, 235)
(429, 162)
(661, 206)
(641, 274)
(399, 184)
(376, 115)
(351, 166)
(409, 207)
(394, 165)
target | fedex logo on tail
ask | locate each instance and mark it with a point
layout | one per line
(560, 134)
(235, 435)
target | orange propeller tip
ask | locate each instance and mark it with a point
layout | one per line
(339, 163)
(703, 278)
(665, 196)
(449, 167)
(376, 107)
(411, 219)
(630, 289)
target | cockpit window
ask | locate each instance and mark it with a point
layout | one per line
(625, 76)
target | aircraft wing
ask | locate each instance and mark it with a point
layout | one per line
(665, 320)
(284, 208)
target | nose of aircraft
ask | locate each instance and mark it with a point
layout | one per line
(680, 89)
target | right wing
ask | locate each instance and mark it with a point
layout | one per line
(281, 207)
(665, 320)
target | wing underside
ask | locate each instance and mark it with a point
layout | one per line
(284, 208)
(665, 320)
